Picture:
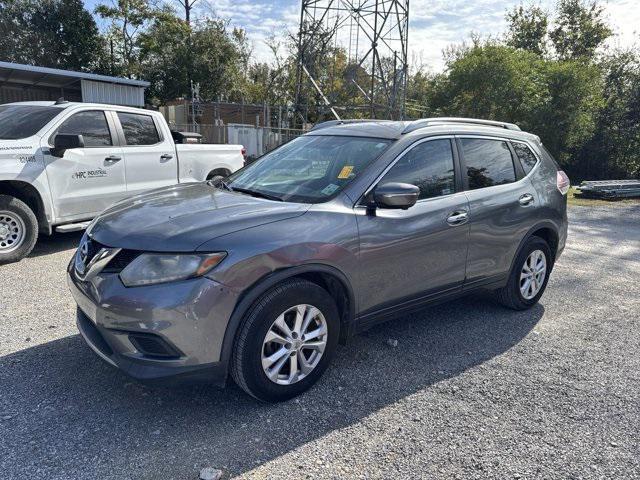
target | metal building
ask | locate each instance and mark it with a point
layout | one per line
(28, 83)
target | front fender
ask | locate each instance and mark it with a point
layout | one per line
(251, 294)
(23, 166)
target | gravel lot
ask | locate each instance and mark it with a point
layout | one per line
(470, 391)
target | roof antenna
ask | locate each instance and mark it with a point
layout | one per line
(61, 101)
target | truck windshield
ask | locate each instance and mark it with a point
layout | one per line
(22, 121)
(309, 169)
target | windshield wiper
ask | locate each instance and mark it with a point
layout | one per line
(220, 183)
(255, 193)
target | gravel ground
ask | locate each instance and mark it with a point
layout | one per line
(470, 391)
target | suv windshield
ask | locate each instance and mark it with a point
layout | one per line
(22, 121)
(309, 169)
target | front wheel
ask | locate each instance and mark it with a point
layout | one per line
(529, 275)
(286, 342)
(18, 229)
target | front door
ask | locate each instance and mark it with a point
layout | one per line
(86, 180)
(407, 255)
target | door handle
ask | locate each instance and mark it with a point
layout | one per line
(526, 199)
(112, 159)
(458, 218)
(166, 156)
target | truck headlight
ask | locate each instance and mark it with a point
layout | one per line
(151, 268)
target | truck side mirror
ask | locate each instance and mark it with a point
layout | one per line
(63, 142)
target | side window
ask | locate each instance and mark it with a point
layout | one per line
(428, 166)
(139, 129)
(488, 162)
(527, 158)
(92, 125)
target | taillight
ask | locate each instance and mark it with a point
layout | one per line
(243, 151)
(562, 182)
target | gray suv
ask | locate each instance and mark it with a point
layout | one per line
(261, 275)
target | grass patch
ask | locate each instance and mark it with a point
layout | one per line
(572, 199)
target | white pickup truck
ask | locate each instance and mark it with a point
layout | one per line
(63, 163)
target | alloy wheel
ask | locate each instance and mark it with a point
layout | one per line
(533, 274)
(294, 344)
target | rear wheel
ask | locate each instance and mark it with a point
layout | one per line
(529, 275)
(18, 229)
(286, 342)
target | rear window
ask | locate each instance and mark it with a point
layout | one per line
(527, 158)
(22, 121)
(139, 129)
(488, 162)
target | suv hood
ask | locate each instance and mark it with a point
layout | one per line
(183, 217)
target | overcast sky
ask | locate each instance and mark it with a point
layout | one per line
(434, 24)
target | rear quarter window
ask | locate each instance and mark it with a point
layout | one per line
(526, 157)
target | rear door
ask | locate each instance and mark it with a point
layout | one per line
(86, 180)
(501, 203)
(407, 255)
(150, 156)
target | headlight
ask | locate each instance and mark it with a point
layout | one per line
(150, 268)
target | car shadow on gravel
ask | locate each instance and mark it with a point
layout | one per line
(65, 414)
(55, 243)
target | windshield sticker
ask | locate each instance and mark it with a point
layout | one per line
(329, 189)
(345, 172)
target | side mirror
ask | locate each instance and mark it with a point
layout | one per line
(396, 195)
(63, 142)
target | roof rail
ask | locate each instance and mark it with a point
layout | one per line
(428, 122)
(333, 123)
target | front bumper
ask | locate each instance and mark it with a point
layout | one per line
(167, 333)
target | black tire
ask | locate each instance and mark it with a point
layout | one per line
(246, 366)
(510, 296)
(17, 208)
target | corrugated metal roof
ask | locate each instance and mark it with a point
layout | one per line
(100, 92)
(53, 77)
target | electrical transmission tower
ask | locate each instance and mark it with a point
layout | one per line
(371, 36)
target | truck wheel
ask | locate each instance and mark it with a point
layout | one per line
(286, 341)
(18, 229)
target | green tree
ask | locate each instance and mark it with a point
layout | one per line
(613, 150)
(528, 28)
(171, 53)
(165, 58)
(129, 19)
(50, 33)
(559, 100)
(580, 28)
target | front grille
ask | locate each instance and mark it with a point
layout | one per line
(121, 260)
(93, 247)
